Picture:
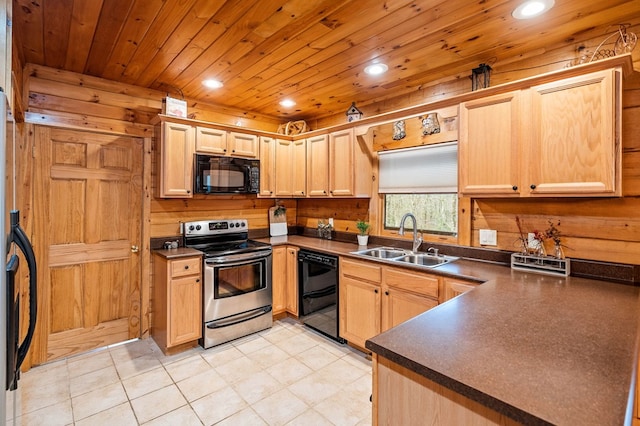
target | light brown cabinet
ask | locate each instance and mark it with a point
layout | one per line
(175, 160)
(177, 301)
(267, 166)
(290, 168)
(285, 280)
(318, 166)
(338, 165)
(455, 287)
(375, 298)
(556, 139)
(214, 141)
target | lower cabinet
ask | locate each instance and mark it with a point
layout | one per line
(375, 298)
(177, 301)
(454, 287)
(284, 280)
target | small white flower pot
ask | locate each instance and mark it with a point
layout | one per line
(363, 240)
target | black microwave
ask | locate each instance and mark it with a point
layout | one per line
(226, 175)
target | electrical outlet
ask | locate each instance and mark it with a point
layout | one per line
(488, 237)
(331, 221)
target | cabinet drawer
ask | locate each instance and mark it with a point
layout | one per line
(424, 284)
(187, 266)
(363, 270)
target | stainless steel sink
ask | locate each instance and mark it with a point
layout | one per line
(425, 259)
(382, 252)
(396, 255)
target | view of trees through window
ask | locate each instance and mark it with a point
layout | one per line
(435, 213)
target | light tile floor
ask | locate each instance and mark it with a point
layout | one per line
(287, 375)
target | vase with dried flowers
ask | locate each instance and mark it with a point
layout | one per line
(553, 233)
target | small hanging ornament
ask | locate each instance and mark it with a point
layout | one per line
(353, 113)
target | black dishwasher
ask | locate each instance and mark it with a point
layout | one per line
(318, 292)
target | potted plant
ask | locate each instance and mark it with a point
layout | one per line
(363, 227)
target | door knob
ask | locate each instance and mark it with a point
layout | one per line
(134, 249)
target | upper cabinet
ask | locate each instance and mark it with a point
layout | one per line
(338, 165)
(290, 168)
(267, 166)
(555, 139)
(175, 160)
(215, 141)
(575, 136)
(489, 145)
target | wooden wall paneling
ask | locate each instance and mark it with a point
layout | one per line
(166, 214)
(117, 100)
(345, 212)
(607, 229)
(447, 118)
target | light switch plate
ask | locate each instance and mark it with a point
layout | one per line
(488, 237)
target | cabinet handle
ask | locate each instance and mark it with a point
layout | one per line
(197, 280)
(532, 186)
(186, 266)
(386, 293)
(375, 291)
(514, 187)
(188, 191)
(233, 150)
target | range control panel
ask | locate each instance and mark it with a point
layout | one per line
(215, 227)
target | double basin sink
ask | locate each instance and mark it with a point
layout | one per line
(393, 254)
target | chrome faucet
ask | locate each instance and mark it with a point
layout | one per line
(434, 250)
(416, 240)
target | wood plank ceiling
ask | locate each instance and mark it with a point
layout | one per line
(313, 51)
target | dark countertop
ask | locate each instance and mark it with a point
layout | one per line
(534, 347)
(538, 348)
(177, 252)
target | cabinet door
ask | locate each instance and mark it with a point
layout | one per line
(283, 172)
(359, 310)
(399, 306)
(453, 287)
(299, 168)
(243, 145)
(341, 163)
(575, 136)
(292, 280)
(267, 166)
(279, 282)
(488, 146)
(211, 141)
(318, 166)
(176, 160)
(185, 308)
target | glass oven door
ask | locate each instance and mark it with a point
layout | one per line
(236, 284)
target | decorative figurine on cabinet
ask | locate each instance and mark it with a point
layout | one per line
(399, 130)
(353, 113)
(430, 124)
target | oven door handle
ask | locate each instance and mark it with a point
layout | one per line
(239, 257)
(237, 319)
(319, 293)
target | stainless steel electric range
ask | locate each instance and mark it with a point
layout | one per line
(237, 294)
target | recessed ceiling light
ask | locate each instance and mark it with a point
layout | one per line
(532, 8)
(287, 103)
(212, 84)
(376, 69)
